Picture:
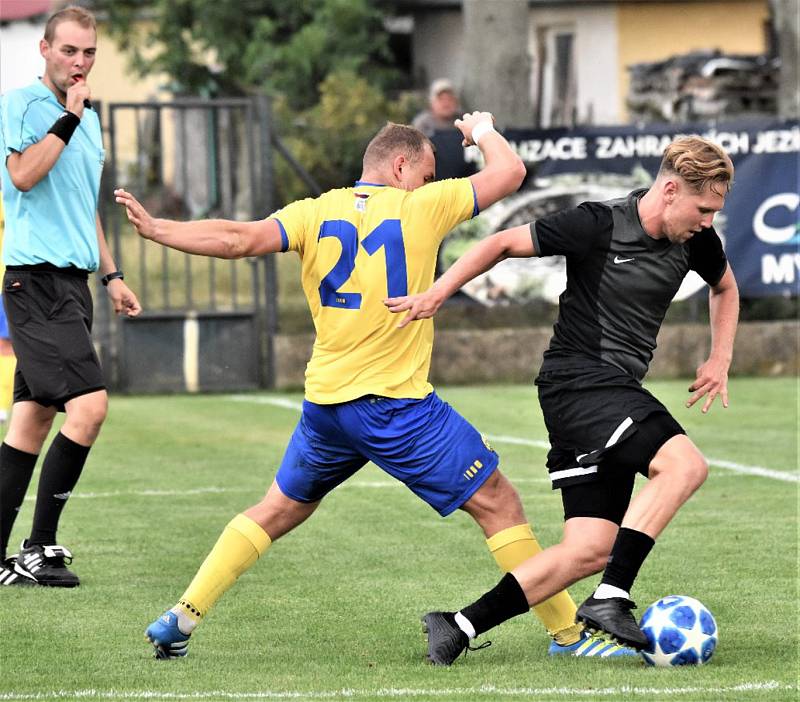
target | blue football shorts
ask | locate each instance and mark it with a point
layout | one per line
(425, 444)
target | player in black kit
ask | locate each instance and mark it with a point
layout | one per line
(626, 259)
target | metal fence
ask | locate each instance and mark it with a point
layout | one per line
(207, 324)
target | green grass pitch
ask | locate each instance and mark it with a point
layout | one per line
(332, 610)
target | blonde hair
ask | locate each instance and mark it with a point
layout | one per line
(393, 139)
(700, 163)
(73, 13)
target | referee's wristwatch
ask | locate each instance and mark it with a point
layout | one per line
(108, 277)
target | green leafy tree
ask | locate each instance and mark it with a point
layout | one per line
(288, 47)
(329, 137)
(326, 63)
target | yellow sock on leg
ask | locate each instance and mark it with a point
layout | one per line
(238, 547)
(517, 544)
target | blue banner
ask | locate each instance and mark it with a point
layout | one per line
(760, 220)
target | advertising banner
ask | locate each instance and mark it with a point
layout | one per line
(759, 223)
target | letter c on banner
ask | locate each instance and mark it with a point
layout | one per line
(777, 235)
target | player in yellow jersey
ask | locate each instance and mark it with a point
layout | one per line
(367, 392)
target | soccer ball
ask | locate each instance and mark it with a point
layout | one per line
(680, 631)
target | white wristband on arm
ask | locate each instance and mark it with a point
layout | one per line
(480, 129)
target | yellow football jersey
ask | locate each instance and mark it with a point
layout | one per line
(358, 246)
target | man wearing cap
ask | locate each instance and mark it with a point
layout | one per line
(443, 108)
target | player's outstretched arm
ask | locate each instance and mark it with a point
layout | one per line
(504, 170)
(712, 376)
(509, 243)
(221, 238)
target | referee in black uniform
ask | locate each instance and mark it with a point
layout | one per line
(626, 259)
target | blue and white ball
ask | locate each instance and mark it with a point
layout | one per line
(680, 631)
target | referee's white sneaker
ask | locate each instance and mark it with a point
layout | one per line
(9, 577)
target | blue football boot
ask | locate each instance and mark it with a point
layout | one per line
(167, 639)
(591, 646)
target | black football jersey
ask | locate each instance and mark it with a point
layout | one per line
(620, 282)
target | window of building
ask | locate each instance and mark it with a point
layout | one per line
(555, 89)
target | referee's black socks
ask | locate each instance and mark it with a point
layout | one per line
(60, 472)
(16, 469)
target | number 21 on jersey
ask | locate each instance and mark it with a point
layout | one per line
(388, 235)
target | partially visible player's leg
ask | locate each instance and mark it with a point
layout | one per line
(8, 364)
(41, 558)
(19, 451)
(29, 426)
(59, 369)
(676, 470)
(64, 462)
(450, 466)
(305, 475)
(245, 538)
(496, 507)
(594, 505)
(582, 551)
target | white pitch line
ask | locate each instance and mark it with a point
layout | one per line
(761, 471)
(536, 443)
(261, 400)
(350, 484)
(405, 693)
(148, 493)
(718, 462)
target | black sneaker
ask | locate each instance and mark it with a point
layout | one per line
(613, 616)
(445, 640)
(9, 577)
(46, 565)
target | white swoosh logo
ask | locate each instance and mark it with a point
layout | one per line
(617, 259)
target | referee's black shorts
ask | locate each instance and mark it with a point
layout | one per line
(604, 427)
(50, 316)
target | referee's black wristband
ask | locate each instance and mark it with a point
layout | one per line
(65, 126)
(108, 277)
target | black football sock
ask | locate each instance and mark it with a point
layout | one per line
(506, 600)
(629, 551)
(16, 469)
(60, 472)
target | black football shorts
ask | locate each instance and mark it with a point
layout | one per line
(50, 316)
(604, 427)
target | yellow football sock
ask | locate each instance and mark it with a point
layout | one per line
(8, 365)
(517, 544)
(238, 547)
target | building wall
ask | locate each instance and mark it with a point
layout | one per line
(438, 46)
(609, 37)
(20, 61)
(654, 31)
(595, 29)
